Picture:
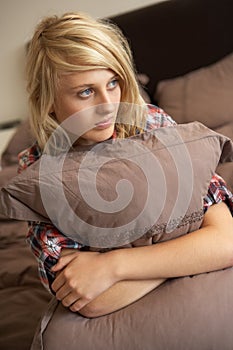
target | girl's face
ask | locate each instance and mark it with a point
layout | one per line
(93, 96)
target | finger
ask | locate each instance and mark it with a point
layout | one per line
(63, 262)
(70, 299)
(58, 282)
(79, 304)
(63, 292)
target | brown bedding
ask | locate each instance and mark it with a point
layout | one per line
(22, 297)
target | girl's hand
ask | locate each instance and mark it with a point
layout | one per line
(82, 277)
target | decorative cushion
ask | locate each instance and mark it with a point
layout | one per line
(129, 192)
(204, 95)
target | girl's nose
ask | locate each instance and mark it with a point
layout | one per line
(105, 105)
(105, 108)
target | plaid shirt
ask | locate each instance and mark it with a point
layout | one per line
(47, 241)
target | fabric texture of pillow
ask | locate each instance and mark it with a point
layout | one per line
(169, 169)
(204, 95)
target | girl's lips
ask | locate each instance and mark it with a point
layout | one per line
(104, 124)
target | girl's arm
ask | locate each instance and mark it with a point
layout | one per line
(207, 249)
(114, 298)
(121, 294)
(94, 278)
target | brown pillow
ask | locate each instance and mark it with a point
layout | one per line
(169, 168)
(21, 139)
(6, 175)
(204, 95)
(183, 313)
(226, 170)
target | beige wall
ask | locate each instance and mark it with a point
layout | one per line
(17, 20)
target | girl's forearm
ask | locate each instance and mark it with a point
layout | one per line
(118, 296)
(208, 249)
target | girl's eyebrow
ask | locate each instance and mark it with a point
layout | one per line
(90, 84)
(82, 86)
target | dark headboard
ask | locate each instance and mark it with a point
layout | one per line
(174, 37)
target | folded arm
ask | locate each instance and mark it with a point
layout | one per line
(95, 284)
(121, 294)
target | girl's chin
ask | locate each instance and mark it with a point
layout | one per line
(96, 136)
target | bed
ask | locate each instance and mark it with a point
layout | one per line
(183, 51)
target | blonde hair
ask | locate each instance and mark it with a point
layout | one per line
(76, 42)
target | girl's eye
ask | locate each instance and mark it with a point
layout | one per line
(113, 83)
(85, 93)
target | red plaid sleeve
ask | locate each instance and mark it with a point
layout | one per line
(218, 192)
(46, 243)
(157, 118)
(28, 157)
